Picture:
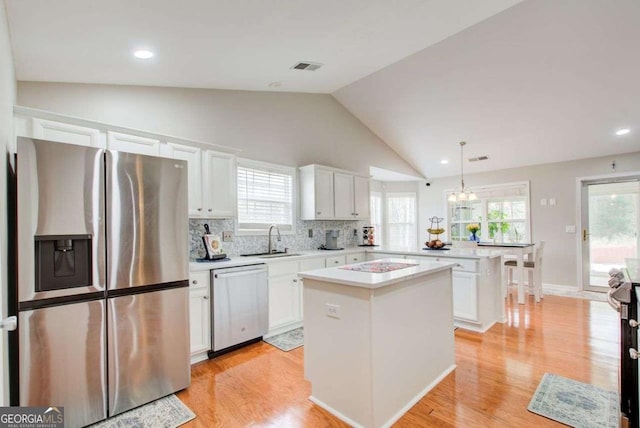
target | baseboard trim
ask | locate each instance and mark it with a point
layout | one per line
(334, 412)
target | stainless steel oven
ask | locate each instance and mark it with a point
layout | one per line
(623, 297)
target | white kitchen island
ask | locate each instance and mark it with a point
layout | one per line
(375, 343)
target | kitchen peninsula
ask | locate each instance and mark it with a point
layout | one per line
(378, 336)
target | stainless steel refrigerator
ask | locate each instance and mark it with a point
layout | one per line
(102, 283)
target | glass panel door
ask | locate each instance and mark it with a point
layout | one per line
(610, 219)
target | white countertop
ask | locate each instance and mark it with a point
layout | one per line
(460, 253)
(242, 261)
(376, 280)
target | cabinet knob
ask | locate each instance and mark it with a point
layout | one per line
(210, 209)
(319, 213)
(295, 280)
(194, 282)
(205, 297)
(199, 209)
(356, 213)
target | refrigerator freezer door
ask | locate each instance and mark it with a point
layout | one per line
(60, 192)
(147, 216)
(148, 349)
(62, 360)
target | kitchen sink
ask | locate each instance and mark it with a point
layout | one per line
(270, 255)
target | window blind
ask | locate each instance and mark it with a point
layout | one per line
(265, 197)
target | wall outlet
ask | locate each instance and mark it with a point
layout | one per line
(227, 236)
(332, 311)
(543, 202)
(570, 229)
(552, 202)
(310, 233)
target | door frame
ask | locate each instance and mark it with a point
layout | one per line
(593, 179)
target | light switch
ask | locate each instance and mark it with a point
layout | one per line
(552, 201)
(543, 202)
(570, 229)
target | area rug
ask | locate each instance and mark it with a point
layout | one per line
(167, 412)
(287, 341)
(575, 403)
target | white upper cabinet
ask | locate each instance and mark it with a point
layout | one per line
(343, 195)
(361, 198)
(219, 185)
(65, 133)
(331, 194)
(133, 144)
(193, 156)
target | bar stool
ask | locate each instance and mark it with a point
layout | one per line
(534, 270)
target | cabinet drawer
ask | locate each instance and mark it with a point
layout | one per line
(466, 265)
(199, 279)
(283, 268)
(311, 264)
(356, 258)
(336, 261)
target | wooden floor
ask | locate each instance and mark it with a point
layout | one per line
(496, 375)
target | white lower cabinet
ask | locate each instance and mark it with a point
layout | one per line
(465, 295)
(284, 301)
(199, 315)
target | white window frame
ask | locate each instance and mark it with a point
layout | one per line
(493, 188)
(379, 238)
(387, 239)
(278, 169)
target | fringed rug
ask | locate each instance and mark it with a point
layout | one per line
(167, 412)
(287, 341)
(575, 403)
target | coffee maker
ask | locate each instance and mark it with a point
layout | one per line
(332, 239)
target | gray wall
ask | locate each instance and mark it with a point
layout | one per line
(286, 128)
(555, 180)
(7, 100)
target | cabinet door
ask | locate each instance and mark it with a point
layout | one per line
(343, 196)
(324, 194)
(219, 185)
(133, 144)
(193, 156)
(65, 133)
(199, 319)
(361, 204)
(465, 296)
(284, 300)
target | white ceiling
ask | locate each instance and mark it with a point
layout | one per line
(232, 44)
(544, 81)
(524, 83)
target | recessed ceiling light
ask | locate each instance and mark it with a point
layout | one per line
(143, 54)
(444, 161)
(623, 131)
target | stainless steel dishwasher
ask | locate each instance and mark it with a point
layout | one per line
(239, 307)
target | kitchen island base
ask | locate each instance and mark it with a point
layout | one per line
(372, 353)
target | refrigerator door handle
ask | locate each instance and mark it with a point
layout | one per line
(9, 324)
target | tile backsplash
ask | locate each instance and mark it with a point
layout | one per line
(300, 241)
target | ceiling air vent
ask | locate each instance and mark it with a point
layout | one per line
(308, 66)
(479, 158)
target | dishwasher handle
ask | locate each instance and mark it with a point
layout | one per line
(239, 273)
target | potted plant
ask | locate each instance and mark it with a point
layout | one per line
(473, 228)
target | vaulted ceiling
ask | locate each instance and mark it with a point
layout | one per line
(522, 82)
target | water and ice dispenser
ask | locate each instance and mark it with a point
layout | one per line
(62, 261)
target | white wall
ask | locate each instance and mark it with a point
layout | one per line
(286, 128)
(7, 100)
(555, 180)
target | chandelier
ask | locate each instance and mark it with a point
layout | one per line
(462, 196)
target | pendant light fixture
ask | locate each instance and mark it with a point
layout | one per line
(462, 196)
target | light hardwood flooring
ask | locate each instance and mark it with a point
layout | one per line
(496, 375)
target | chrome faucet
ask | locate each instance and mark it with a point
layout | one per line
(270, 247)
